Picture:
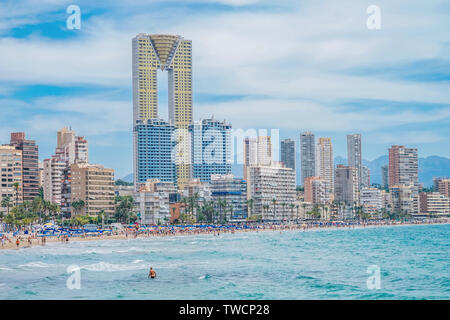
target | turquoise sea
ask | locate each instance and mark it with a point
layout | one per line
(414, 263)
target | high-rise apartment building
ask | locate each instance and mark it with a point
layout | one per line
(94, 184)
(154, 152)
(287, 150)
(172, 54)
(404, 175)
(365, 176)
(211, 148)
(346, 185)
(30, 164)
(324, 160)
(264, 150)
(385, 176)
(403, 166)
(354, 154)
(53, 178)
(70, 149)
(11, 173)
(272, 189)
(250, 154)
(307, 155)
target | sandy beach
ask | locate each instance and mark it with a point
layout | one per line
(25, 242)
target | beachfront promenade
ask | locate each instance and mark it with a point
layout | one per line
(27, 238)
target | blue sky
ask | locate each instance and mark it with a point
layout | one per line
(291, 65)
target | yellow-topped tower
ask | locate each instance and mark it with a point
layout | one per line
(172, 54)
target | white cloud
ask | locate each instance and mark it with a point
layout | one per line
(307, 115)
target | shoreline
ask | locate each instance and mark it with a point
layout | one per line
(301, 228)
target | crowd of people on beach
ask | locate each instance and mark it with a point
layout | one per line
(28, 238)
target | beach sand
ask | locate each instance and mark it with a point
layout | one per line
(49, 239)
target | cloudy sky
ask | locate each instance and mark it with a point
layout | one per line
(292, 65)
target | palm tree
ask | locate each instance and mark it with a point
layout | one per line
(304, 209)
(6, 203)
(16, 189)
(266, 208)
(101, 215)
(274, 202)
(222, 203)
(292, 206)
(249, 203)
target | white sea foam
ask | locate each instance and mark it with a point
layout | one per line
(111, 267)
(134, 249)
(36, 264)
(5, 269)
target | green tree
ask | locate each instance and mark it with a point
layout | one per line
(16, 186)
(274, 202)
(6, 203)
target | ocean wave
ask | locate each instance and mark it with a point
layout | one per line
(111, 267)
(134, 249)
(35, 264)
(5, 269)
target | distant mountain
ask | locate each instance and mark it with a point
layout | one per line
(128, 178)
(429, 167)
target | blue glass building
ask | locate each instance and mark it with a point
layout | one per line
(211, 148)
(154, 145)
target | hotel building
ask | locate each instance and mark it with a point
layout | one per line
(233, 191)
(273, 186)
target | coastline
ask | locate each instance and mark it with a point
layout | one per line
(53, 239)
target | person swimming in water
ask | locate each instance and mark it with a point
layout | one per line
(152, 273)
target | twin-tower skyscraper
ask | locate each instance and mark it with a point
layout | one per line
(172, 54)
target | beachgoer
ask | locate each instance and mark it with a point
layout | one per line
(17, 242)
(152, 273)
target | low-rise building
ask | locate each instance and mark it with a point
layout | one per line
(434, 204)
(404, 199)
(93, 184)
(233, 191)
(152, 201)
(371, 200)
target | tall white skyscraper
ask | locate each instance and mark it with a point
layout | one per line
(354, 155)
(324, 160)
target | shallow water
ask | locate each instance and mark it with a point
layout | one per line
(316, 264)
